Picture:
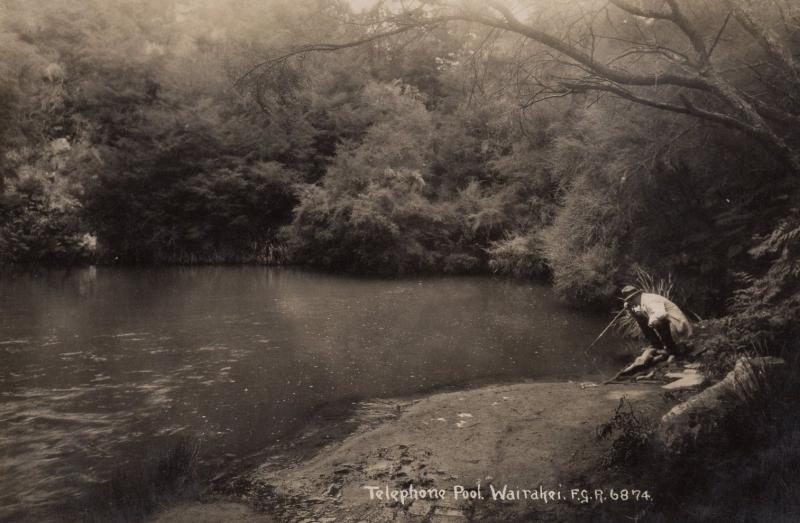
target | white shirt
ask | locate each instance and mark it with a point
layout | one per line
(658, 308)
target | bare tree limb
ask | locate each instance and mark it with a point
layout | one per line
(327, 47)
(705, 92)
(511, 23)
(640, 11)
(719, 34)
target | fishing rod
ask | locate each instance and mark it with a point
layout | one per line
(604, 331)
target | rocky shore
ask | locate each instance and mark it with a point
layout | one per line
(500, 452)
(510, 452)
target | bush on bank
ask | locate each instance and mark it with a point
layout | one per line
(370, 160)
(35, 230)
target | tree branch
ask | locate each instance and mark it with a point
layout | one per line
(685, 25)
(719, 34)
(640, 11)
(511, 23)
(329, 47)
(743, 112)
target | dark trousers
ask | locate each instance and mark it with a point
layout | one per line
(659, 336)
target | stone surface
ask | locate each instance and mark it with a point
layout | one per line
(420, 508)
(524, 434)
(220, 512)
(685, 379)
(448, 512)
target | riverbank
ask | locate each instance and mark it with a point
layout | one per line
(499, 452)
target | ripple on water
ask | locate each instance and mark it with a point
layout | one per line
(15, 342)
(90, 381)
(43, 434)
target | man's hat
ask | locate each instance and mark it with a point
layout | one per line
(629, 291)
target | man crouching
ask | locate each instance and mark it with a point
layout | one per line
(660, 320)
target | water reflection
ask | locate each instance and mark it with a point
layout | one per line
(101, 365)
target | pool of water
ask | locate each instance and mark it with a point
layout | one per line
(101, 365)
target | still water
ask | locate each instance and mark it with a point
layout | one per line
(101, 364)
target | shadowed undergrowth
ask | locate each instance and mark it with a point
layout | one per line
(745, 470)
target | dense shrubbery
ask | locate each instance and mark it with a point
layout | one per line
(221, 215)
(763, 312)
(582, 245)
(519, 255)
(143, 136)
(403, 199)
(385, 228)
(376, 159)
(33, 229)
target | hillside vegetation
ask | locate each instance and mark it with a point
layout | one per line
(198, 132)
